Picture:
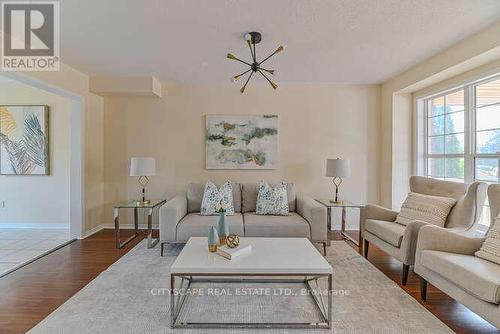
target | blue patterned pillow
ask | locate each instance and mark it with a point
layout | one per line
(272, 201)
(212, 198)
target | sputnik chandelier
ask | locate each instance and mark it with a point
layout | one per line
(253, 38)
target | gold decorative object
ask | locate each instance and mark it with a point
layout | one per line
(232, 241)
(222, 240)
(212, 248)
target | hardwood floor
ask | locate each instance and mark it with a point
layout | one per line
(31, 293)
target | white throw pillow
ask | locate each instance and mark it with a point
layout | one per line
(272, 201)
(490, 250)
(212, 198)
(430, 209)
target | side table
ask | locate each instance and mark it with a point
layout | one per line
(154, 204)
(344, 206)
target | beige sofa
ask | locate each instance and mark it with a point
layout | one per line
(378, 224)
(446, 260)
(180, 217)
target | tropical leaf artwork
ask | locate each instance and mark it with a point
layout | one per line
(24, 140)
(241, 142)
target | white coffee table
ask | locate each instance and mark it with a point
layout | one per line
(272, 260)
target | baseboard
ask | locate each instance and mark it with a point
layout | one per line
(112, 227)
(92, 231)
(34, 225)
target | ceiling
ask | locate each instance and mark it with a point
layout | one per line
(340, 41)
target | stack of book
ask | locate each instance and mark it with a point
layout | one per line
(232, 253)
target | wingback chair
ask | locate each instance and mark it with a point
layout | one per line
(378, 224)
(446, 260)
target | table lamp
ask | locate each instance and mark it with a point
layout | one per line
(337, 168)
(143, 167)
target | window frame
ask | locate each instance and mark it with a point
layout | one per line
(426, 155)
(470, 155)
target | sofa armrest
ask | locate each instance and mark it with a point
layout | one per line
(440, 239)
(315, 214)
(376, 212)
(171, 214)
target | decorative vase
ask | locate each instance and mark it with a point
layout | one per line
(213, 240)
(223, 228)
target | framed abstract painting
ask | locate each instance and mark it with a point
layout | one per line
(241, 142)
(24, 140)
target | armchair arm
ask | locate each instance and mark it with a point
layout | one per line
(315, 214)
(170, 215)
(376, 212)
(440, 239)
(409, 242)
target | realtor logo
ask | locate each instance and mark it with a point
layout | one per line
(30, 36)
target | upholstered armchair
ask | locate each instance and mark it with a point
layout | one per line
(446, 260)
(378, 224)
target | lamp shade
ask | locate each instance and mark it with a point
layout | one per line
(338, 168)
(142, 166)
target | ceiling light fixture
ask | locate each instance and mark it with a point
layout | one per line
(253, 38)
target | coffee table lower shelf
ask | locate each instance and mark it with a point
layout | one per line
(177, 302)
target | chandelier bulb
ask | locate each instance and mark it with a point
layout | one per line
(248, 37)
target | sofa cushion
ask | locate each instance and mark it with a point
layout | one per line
(479, 277)
(195, 196)
(250, 191)
(217, 198)
(430, 209)
(272, 200)
(390, 232)
(276, 226)
(196, 225)
(490, 250)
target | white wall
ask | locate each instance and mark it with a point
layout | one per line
(39, 200)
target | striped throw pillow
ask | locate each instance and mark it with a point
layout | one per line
(490, 250)
(430, 209)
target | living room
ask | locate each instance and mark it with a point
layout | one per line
(344, 153)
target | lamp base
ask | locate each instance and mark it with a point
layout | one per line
(145, 202)
(336, 201)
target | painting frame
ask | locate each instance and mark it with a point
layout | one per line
(254, 148)
(44, 170)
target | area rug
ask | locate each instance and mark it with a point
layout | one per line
(129, 298)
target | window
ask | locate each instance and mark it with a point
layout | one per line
(462, 134)
(445, 137)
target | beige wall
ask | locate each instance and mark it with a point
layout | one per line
(316, 121)
(77, 83)
(466, 77)
(39, 199)
(402, 152)
(473, 52)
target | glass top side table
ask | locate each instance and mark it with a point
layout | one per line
(344, 206)
(149, 207)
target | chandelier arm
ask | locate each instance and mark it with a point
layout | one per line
(268, 80)
(243, 73)
(251, 51)
(241, 61)
(272, 54)
(268, 71)
(245, 85)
